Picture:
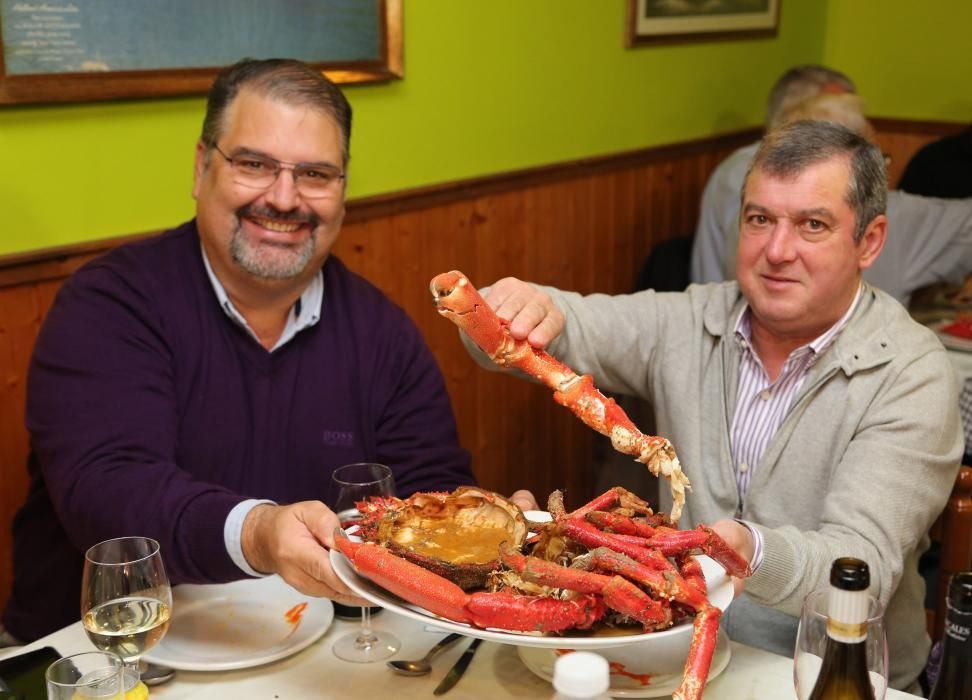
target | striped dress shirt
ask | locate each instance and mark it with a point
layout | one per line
(761, 405)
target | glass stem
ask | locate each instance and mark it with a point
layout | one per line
(367, 638)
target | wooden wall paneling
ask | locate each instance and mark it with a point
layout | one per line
(21, 312)
(901, 139)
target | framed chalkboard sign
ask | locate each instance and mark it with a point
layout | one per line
(85, 50)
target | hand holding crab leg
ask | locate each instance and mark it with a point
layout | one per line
(536, 320)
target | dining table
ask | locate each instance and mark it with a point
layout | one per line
(936, 307)
(496, 671)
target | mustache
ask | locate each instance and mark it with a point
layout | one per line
(272, 213)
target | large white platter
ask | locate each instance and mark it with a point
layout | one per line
(717, 580)
(222, 627)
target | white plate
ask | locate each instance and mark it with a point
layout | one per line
(541, 662)
(950, 341)
(246, 623)
(718, 582)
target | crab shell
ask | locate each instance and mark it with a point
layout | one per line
(455, 535)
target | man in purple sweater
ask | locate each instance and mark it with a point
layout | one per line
(180, 381)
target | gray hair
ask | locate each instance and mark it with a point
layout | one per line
(284, 79)
(789, 151)
(800, 83)
(845, 109)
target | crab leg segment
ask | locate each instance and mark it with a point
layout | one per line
(691, 570)
(406, 580)
(620, 524)
(701, 651)
(457, 299)
(701, 540)
(667, 585)
(526, 613)
(586, 534)
(444, 598)
(619, 594)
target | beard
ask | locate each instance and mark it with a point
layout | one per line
(270, 260)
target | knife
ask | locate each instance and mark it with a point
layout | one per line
(455, 673)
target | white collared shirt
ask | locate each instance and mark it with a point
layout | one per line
(762, 405)
(304, 313)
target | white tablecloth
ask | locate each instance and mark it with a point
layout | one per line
(496, 672)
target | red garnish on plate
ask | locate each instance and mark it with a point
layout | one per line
(295, 613)
(640, 678)
(960, 327)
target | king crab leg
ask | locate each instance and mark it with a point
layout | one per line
(457, 299)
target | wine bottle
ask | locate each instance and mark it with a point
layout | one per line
(955, 677)
(843, 673)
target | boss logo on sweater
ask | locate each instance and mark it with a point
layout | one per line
(338, 438)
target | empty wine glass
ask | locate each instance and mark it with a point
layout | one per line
(90, 674)
(126, 599)
(812, 641)
(357, 482)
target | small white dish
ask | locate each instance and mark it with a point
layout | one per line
(628, 680)
(222, 627)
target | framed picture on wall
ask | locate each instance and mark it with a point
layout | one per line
(85, 50)
(678, 21)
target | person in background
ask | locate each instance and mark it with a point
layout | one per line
(814, 417)
(199, 387)
(942, 168)
(929, 240)
(720, 199)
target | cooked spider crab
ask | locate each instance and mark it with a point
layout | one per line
(457, 299)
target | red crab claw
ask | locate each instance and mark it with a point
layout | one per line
(701, 540)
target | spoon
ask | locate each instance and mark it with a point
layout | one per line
(154, 674)
(422, 666)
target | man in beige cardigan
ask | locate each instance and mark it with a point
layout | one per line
(814, 417)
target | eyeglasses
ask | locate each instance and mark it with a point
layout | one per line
(313, 180)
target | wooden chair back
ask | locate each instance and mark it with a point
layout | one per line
(953, 532)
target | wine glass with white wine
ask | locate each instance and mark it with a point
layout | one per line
(358, 482)
(126, 600)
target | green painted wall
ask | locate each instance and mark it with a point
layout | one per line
(489, 87)
(910, 59)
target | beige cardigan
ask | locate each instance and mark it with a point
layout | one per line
(861, 466)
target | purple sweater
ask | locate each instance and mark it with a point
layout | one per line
(152, 413)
